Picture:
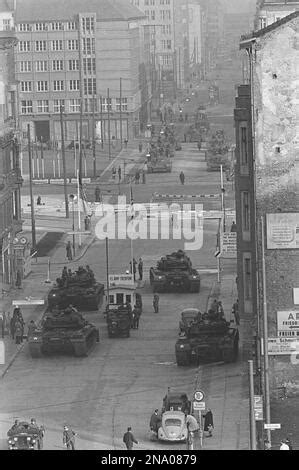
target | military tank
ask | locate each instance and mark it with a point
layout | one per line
(24, 436)
(207, 339)
(217, 152)
(174, 272)
(65, 332)
(80, 290)
(119, 319)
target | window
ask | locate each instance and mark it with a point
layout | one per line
(74, 85)
(153, 15)
(6, 24)
(165, 15)
(41, 85)
(166, 59)
(263, 22)
(24, 27)
(40, 46)
(88, 24)
(41, 66)
(105, 103)
(24, 46)
(247, 276)
(57, 26)
(58, 85)
(90, 86)
(88, 45)
(75, 106)
(41, 27)
(25, 66)
(245, 211)
(243, 146)
(166, 44)
(71, 26)
(57, 65)
(57, 45)
(57, 105)
(26, 86)
(166, 29)
(72, 44)
(89, 65)
(26, 107)
(124, 104)
(73, 64)
(42, 106)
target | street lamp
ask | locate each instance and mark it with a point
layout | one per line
(73, 198)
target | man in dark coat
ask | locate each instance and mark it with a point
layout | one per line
(68, 438)
(155, 421)
(129, 439)
(140, 269)
(209, 424)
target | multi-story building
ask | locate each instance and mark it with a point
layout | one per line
(267, 202)
(10, 176)
(71, 53)
(269, 11)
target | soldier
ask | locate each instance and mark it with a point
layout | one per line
(97, 193)
(156, 303)
(31, 328)
(182, 178)
(140, 269)
(69, 253)
(18, 331)
(68, 438)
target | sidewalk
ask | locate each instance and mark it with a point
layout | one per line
(225, 385)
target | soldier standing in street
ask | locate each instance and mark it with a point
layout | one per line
(182, 178)
(69, 253)
(140, 269)
(68, 438)
(156, 303)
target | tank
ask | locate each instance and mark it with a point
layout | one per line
(24, 436)
(159, 166)
(80, 290)
(217, 152)
(118, 320)
(175, 272)
(63, 332)
(205, 340)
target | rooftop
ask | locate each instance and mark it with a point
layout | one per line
(59, 10)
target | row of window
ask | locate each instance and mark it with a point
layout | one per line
(87, 24)
(57, 65)
(43, 85)
(166, 44)
(153, 15)
(42, 45)
(46, 106)
(151, 2)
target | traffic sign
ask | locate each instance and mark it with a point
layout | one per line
(272, 426)
(28, 302)
(199, 395)
(199, 405)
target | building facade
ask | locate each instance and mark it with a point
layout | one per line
(10, 176)
(269, 11)
(267, 202)
(72, 54)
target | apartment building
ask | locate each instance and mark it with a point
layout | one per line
(72, 55)
(269, 11)
(267, 201)
(10, 176)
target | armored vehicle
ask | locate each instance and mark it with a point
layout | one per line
(175, 272)
(24, 436)
(159, 166)
(79, 289)
(63, 331)
(207, 339)
(119, 319)
(217, 152)
(188, 316)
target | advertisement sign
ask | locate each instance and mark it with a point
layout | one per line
(258, 407)
(229, 245)
(121, 279)
(283, 231)
(283, 346)
(288, 323)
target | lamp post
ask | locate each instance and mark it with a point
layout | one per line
(73, 198)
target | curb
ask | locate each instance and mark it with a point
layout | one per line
(77, 258)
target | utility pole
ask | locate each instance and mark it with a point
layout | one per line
(265, 334)
(93, 139)
(33, 235)
(80, 138)
(67, 213)
(107, 268)
(120, 113)
(101, 117)
(109, 137)
(251, 407)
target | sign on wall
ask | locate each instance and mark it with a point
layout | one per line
(283, 346)
(283, 231)
(288, 323)
(121, 279)
(229, 245)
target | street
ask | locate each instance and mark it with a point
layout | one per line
(124, 380)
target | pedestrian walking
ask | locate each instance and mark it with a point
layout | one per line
(129, 439)
(143, 176)
(182, 177)
(126, 143)
(31, 328)
(140, 147)
(156, 303)
(209, 424)
(18, 328)
(235, 312)
(155, 421)
(140, 269)
(119, 173)
(69, 253)
(68, 438)
(97, 194)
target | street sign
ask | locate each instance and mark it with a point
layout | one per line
(199, 395)
(217, 254)
(287, 321)
(258, 407)
(272, 426)
(199, 405)
(121, 279)
(28, 302)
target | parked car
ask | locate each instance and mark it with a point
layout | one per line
(173, 427)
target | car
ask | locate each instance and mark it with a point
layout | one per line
(188, 315)
(173, 427)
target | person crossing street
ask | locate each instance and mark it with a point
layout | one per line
(156, 303)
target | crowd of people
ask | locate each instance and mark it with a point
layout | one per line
(14, 325)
